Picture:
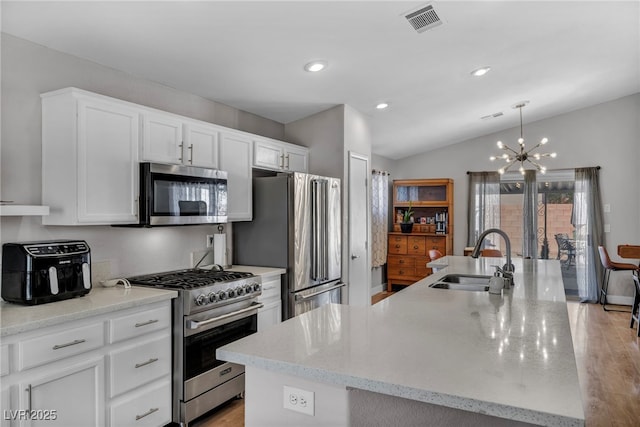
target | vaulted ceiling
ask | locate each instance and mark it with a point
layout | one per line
(559, 55)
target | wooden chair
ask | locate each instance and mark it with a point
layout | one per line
(435, 254)
(635, 309)
(491, 252)
(610, 266)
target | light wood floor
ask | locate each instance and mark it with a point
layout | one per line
(608, 359)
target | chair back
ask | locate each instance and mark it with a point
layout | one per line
(491, 253)
(434, 254)
(604, 258)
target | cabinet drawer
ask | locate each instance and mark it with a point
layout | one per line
(400, 261)
(397, 244)
(270, 289)
(41, 350)
(416, 245)
(152, 408)
(401, 272)
(136, 324)
(439, 243)
(140, 364)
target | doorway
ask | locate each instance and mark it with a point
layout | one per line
(359, 230)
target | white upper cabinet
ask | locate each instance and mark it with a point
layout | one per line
(171, 139)
(89, 159)
(279, 156)
(201, 145)
(235, 158)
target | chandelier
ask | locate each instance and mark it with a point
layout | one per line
(512, 156)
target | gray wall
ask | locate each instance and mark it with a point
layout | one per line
(28, 70)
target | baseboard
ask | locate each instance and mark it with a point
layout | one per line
(379, 288)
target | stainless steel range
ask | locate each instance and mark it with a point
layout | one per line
(213, 308)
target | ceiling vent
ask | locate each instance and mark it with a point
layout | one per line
(423, 19)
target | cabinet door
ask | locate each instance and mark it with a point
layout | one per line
(201, 146)
(269, 315)
(296, 160)
(268, 155)
(71, 396)
(235, 158)
(108, 136)
(162, 139)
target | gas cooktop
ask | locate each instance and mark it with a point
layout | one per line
(188, 278)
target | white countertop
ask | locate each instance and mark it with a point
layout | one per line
(16, 318)
(509, 356)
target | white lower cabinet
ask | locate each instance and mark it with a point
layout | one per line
(271, 312)
(108, 370)
(70, 395)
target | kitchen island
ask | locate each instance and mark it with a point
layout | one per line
(424, 356)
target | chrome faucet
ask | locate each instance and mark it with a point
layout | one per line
(508, 269)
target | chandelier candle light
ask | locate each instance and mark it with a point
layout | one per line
(522, 156)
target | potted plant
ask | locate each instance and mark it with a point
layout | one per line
(406, 226)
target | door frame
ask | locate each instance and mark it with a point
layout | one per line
(367, 256)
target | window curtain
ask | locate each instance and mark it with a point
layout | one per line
(530, 215)
(483, 205)
(588, 222)
(379, 217)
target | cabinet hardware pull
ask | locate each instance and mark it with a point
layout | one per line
(415, 246)
(148, 322)
(287, 157)
(28, 390)
(181, 146)
(69, 344)
(149, 412)
(191, 153)
(282, 161)
(397, 246)
(148, 362)
(401, 261)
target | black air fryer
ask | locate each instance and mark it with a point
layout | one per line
(41, 272)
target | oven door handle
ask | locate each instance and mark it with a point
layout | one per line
(315, 294)
(195, 324)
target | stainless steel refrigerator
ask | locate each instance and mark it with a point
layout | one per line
(297, 226)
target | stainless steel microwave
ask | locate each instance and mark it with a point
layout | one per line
(181, 195)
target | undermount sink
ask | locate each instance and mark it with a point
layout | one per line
(463, 282)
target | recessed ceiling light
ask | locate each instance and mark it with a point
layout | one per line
(480, 71)
(315, 66)
(382, 105)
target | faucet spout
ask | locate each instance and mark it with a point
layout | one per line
(508, 269)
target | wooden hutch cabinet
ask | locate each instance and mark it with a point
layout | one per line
(432, 203)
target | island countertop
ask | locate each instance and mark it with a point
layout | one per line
(509, 356)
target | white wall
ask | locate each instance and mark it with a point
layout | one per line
(28, 70)
(606, 135)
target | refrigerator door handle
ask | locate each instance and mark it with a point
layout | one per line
(315, 294)
(315, 232)
(325, 231)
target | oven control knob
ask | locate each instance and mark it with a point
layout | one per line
(231, 293)
(248, 289)
(213, 297)
(201, 300)
(256, 287)
(222, 295)
(240, 290)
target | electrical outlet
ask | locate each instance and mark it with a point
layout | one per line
(298, 400)
(209, 240)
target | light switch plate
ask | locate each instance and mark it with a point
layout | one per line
(607, 228)
(298, 400)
